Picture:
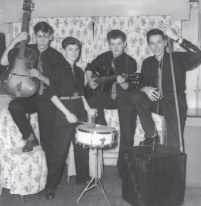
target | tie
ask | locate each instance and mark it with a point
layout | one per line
(114, 88)
(159, 79)
(75, 83)
(40, 68)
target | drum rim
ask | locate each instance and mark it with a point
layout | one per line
(82, 130)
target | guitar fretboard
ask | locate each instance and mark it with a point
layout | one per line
(25, 27)
(107, 79)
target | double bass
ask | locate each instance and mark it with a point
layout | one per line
(15, 81)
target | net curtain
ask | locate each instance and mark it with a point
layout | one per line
(78, 27)
(92, 32)
(136, 29)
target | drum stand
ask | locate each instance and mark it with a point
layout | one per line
(96, 180)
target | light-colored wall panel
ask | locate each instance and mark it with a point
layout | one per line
(60, 8)
(190, 32)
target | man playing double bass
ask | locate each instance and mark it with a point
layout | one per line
(156, 92)
(47, 58)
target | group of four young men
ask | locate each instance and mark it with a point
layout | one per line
(64, 88)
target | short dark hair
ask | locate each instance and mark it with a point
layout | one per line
(153, 32)
(44, 27)
(71, 41)
(115, 34)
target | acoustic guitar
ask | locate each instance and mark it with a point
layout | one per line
(15, 82)
(105, 77)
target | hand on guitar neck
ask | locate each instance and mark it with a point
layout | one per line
(92, 83)
(15, 81)
(23, 36)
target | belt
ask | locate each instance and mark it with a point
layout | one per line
(68, 98)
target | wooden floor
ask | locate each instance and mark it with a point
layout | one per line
(68, 193)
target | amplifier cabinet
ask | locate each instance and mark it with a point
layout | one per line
(153, 176)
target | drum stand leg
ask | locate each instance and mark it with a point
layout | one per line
(96, 180)
(22, 199)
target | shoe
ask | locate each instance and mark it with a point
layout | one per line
(49, 193)
(150, 140)
(30, 143)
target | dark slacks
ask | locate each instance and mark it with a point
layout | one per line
(127, 117)
(63, 134)
(166, 107)
(19, 107)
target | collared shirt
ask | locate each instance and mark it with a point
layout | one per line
(123, 64)
(182, 62)
(50, 58)
(62, 81)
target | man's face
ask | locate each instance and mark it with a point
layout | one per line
(157, 45)
(42, 40)
(117, 46)
(72, 53)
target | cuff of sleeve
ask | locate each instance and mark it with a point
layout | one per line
(179, 40)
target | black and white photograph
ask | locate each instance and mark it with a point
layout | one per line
(100, 102)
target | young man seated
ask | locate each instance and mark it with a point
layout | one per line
(118, 95)
(156, 93)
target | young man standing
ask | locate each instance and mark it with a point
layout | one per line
(47, 59)
(115, 62)
(156, 93)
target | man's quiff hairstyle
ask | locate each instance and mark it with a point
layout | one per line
(44, 27)
(115, 34)
(71, 41)
(154, 32)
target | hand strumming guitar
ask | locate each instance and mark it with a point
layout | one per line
(35, 73)
(92, 84)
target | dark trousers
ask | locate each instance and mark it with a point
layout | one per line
(63, 134)
(127, 117)
(19, 107)
(166, 107)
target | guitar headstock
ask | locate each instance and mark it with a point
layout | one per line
(28, 5)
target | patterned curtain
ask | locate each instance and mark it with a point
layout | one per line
(136, 29)
(78, 27)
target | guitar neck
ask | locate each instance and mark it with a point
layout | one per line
(108, 78)
(105, 79)
(25, 28)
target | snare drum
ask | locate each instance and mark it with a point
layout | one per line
(94, 135)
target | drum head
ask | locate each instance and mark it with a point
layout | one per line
(95, 128)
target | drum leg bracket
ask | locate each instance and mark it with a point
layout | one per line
(95, 182)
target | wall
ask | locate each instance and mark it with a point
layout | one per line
(48, 8)
(190, 32)
(192, 141)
